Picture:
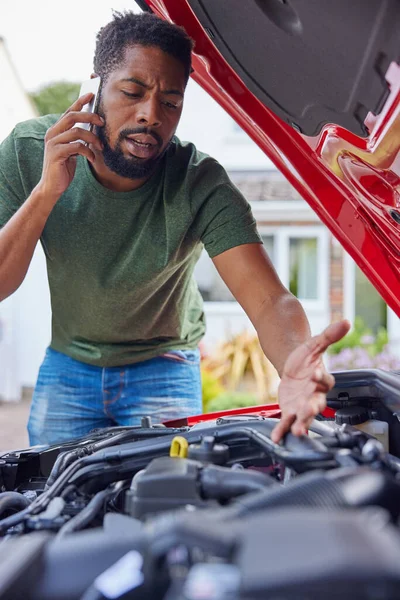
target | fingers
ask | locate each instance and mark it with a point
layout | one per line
(70, 119)
(299, 423)
(69, 143)
(75, 134)
(74, 148)
(333, 333)
(324, 380)
(305, 382)
(282, 428)
(305, 354)
(80, 102)
(310, 409)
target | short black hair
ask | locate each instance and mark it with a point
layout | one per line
(127, 29)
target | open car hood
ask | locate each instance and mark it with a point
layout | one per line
(316, 84)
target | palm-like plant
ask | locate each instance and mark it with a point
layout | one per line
(240, 362)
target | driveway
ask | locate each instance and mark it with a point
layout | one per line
(13, 420)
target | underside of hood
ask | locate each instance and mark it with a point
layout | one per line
(316, 84)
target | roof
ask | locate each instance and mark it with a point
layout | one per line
(264, 186)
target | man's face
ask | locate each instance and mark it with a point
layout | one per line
(141, 103)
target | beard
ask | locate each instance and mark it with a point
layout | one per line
(116, 161)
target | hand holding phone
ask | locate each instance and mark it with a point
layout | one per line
(70, 136)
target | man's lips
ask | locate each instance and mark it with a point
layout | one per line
(143, 138)
(142, 146)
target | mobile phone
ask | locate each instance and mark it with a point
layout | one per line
(92, 86)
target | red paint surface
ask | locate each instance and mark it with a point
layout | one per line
(351, 183)
(270, 411)
(263, 410)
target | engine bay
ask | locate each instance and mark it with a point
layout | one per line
(212, 509)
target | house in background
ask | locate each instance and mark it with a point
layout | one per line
(308, 260)
(25, 316)
(16, 105)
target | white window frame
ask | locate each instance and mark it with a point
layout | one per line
(282, 237)
(349, 287)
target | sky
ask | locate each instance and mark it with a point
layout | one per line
(51, 40)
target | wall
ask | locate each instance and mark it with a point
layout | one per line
(15, 105)
(212, 130)
(25, 316)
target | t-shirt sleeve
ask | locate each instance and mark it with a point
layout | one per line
(222, 216)
(12, 194)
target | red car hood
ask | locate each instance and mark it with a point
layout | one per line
(351, 179)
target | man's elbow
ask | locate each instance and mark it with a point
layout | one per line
(277, 304)
(8, 290)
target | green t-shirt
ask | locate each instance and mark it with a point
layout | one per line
(120, 264)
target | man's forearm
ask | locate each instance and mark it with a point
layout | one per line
(18, 239)
(282, 326)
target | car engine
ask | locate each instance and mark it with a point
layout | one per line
(211, 508)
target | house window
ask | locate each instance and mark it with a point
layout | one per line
(209, 281)
(211, 285)
(369, 305)
(269, 244)
(300, 256)
(303, 267)
(301, 259)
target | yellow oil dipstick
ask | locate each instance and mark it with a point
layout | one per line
(179, 447)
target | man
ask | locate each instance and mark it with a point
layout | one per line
(122, 219)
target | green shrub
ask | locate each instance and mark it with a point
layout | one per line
(56, 97)
(211, 387)
(362, 337)
(229, 400)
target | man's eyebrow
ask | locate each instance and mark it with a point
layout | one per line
(142, 84)
(173, 92)
(134, 80)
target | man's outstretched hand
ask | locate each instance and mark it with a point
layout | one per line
(305, 382)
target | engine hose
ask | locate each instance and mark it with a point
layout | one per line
(92, 593)
(124, 434)
(218, 483)
(8, 522)
(62, 461)
(67, 458)
(308, 490)
(87, 514)
(349, 488)
(13, 501)
(42, 501)
(323, 429)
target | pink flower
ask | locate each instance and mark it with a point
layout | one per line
(367, 340)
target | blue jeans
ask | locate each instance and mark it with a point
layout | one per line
(71, 398)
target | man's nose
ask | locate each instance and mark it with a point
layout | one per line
(149, 113)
